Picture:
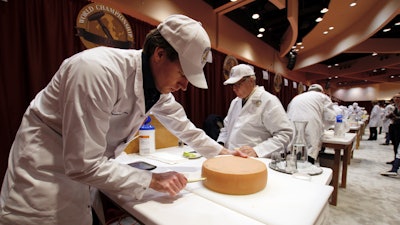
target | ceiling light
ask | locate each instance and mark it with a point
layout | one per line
(336, 77)
(262, 29)
(353, 4)
(329, 66)
(233, 0)
(386, 30)
(325, 32)
(331, 28)
(255, 16)
(374, 54)
(299, 43)
(392, 76)
(301, 47)
(336, 64)
(293, 47)
(259, 35)
(397, 24)
(383, 69)
(319, 19)
(324, 10)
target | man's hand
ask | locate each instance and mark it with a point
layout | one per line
(168, 182)
(248, 151)
(225, 151)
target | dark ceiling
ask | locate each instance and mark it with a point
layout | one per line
(275, 22)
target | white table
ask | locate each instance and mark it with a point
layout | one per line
(285, 200)
(337, 144)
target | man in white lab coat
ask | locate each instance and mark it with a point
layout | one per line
(256, 122)
(97, 100)
(317, 109)
(374, 121)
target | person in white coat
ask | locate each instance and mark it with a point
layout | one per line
(374, 121)
(389, 109)
(96, 101)
(317, 109)
(256, 122)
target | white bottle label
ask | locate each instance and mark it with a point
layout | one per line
(146, 142)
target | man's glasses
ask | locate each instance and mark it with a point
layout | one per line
(239, 83)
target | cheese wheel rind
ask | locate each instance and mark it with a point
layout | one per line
(234, 175)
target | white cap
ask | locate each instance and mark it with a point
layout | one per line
(316, 87)
(192, 43)
(238, 72)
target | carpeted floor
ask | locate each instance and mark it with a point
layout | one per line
(369, 198)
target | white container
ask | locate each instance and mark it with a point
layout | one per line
(147, 141)
(339, 129)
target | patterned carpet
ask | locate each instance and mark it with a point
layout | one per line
(369, 198)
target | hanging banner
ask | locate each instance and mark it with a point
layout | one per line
(100, 25)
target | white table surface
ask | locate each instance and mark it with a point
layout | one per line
(285, 200)
(329, 137)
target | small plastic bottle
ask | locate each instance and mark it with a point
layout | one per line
(339, 127)
(147, 138)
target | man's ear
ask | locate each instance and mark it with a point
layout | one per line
(159, 53)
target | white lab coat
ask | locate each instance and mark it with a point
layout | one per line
(262, 124)
(389, 109)
(316, 108)
(375, 117)
(93, 104)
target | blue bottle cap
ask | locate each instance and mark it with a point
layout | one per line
(146, 125)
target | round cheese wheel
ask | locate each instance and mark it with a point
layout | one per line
(234, 175)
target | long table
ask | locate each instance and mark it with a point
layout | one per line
(285, 200)
(338, 144)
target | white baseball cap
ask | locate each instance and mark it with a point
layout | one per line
(192, 43)
(238, 72)
(316, 87)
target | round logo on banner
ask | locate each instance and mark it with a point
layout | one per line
(100, 25)
(277, 82)
(229, 62)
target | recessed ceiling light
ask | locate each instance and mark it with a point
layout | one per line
(259, 35)
(397, 24)
(386, 30)
(392, 76)
(262, 29)
(255, 16)
(293, 47)
(329, 66)
(336, 64)
(325, 32)
(374, 54)
(324, 10)
(331, 28)
(353, 4)
(336, 77)
(301, 47)
(233, 0)
(299, 43)
(383, 69)
(319, 19)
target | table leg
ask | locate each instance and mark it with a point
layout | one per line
(346, 159)
(335, 176)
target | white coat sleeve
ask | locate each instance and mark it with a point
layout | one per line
(329, 114)
(278, 125)
(172, 115)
